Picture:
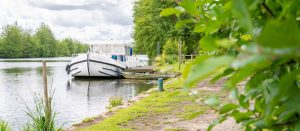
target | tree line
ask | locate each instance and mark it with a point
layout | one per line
(16, 42)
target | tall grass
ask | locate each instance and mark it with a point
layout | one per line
(114, 101)
(4, 126)
(38, 114)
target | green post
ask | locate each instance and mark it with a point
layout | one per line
(160, 84)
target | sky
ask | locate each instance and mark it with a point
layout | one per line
(90, 21)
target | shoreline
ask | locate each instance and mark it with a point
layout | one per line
(109, 112)
(173, 109)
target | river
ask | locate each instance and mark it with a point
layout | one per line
(73, 99)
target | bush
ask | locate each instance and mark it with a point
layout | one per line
(170, 51)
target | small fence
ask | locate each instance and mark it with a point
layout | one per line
(191, 57)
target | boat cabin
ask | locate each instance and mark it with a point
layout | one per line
(116, 49)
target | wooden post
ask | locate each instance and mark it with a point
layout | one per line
(179, 54)
(46, 97)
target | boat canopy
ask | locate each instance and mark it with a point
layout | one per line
(112, 48)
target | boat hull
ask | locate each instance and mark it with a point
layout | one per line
(95, 65)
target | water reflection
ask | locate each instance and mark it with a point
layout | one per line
(107, 88)
(16, 71)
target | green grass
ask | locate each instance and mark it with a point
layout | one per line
(157, 102)
(4, 126)
(38, 117)
(114, 102)
(174, 129)
(192, 111)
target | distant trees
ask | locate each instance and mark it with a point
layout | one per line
(11, 41)
(16, 42)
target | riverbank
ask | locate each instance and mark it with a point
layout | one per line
(176, 108)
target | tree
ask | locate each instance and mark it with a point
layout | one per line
(63, 49)
(11, 46)
(150, 28)
(31, 47)
(46, 40)
(256, 41)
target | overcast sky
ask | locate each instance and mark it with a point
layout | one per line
(86, 20)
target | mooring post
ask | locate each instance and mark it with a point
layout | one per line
(160, 84)
(46, 98)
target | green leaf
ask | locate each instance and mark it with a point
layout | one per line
(186, 70)
(297, 126)
(208, 28)
(280, 34)
(206, 68)
(238, 76)
(243, 101)
(240, 10)
(226, 43)
(228, 107)
(234, 94)
(259, 106)
(190, 7)
(201, 58)
(181, 23)
(240, 116)
(170, 11)
(219, 76)
(215, 122)
(208, 43)
(212, 101)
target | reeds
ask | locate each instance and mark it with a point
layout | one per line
(4, 126)
(38, 117)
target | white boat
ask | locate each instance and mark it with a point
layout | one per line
(108, 59)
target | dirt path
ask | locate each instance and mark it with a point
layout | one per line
(171, 122)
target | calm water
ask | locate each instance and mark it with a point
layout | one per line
(74, 99)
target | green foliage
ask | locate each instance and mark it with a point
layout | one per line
(170, 51)
(4, 126)
(16, 42)
(11, 41)
(149, 27)
(114, 102)
(252, 41)
(45, 37)
(152, 31)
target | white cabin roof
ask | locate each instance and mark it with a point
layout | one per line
(112, 47)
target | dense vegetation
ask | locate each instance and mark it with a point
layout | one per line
(256, 41)
(151, 31)
(16, 42)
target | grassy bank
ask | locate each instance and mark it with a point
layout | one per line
(174, 102)
(158, 103)
(174, 109)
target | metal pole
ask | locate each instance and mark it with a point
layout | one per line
(160, 84)
(157, 48)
